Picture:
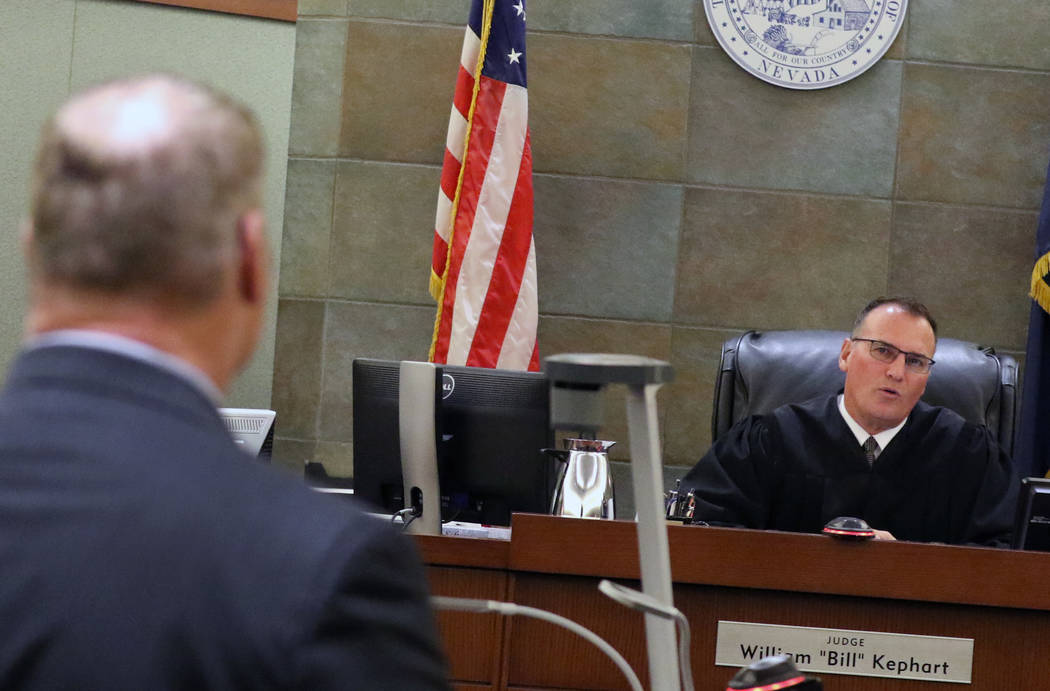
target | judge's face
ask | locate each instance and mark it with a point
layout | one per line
(880, 395)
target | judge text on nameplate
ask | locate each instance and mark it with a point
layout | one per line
(840, 651)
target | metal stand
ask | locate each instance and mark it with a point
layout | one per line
(419, 386)
(572, 374)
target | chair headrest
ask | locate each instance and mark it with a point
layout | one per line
(778, 367)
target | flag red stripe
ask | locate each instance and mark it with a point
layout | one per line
(449, 175)
(440, 254)
(450, 166)
(464, 92)
(449, 180)
(507, 272)
(483, 130)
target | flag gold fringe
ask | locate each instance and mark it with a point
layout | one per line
(1040, 291)
(437, 284)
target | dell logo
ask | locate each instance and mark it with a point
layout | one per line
(448, 385)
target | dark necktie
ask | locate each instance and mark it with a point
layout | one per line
(871, 450)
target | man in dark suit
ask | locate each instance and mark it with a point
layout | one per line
(139, 548)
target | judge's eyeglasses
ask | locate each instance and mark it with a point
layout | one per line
(885, 352)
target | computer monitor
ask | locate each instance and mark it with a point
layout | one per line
(492, 425)
(251, 429)
(1032, 527)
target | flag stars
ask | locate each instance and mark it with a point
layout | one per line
(513, 56)
(520, 9)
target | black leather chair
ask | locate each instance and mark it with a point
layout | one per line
(761, 371)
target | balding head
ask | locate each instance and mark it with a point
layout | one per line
(138, 187)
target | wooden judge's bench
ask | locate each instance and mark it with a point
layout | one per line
(999, 598)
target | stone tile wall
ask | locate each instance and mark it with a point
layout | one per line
(679, 200)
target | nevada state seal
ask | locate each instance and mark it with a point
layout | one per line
(805, 44)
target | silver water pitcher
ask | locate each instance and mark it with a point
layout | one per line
(585, 487)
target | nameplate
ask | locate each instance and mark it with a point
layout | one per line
(838, 651)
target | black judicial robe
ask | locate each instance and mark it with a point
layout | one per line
(941, 479)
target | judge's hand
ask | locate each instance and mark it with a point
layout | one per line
(884, 535)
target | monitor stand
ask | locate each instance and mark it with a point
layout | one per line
(418, 389)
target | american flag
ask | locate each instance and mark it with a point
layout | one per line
(484, 267)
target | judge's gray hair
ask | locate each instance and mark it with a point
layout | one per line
(908, 304)
(138, 186)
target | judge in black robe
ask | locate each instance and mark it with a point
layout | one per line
(941, 479)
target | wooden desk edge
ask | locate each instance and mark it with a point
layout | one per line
(762, 560)
(440, 550)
